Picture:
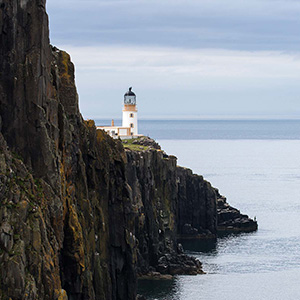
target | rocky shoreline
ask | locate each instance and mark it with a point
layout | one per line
(176, 264)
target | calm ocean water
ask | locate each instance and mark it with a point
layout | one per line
(256, 165)
(216, 129)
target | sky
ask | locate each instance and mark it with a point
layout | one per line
(184, 59)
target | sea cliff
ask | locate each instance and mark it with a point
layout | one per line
(80, 216)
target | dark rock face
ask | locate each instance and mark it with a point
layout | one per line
(167, 198)
(154, 195)
(230, 219)
(179, 264)
(171, 202)
(26, 89)
(197, 209)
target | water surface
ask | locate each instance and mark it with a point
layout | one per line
(216, 129)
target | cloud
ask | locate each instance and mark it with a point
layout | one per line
(234, 24)
(215, 56)
(209, 80)
(176, 62)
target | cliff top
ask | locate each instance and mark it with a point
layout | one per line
(143, 143)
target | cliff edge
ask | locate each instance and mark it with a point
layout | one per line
(63, 184)
(80, 217)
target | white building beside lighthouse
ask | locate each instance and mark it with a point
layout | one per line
(129, 128)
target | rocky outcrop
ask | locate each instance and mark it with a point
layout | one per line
(146, 142)
(230, 219)
(172, 203)
(197, 209)
(154, 194)
(164, 195)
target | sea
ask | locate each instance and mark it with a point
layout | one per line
(256, 165)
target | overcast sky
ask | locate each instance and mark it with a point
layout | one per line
(184, 59)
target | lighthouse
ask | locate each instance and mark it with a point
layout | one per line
(129, 128)
(130, 112)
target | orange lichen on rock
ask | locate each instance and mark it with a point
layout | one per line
(76, 237)
(65, 74)
(89, 123)
(61, 294)
(101, 135)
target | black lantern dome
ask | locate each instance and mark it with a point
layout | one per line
(129, 92)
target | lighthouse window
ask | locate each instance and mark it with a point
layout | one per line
(131, 125)
(131, 115)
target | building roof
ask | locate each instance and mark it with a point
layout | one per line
(130, 92)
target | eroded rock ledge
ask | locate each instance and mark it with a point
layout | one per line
(230, 219)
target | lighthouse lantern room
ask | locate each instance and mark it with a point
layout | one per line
(129, 128)
(130, 112)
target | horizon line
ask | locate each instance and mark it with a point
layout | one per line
(204, 118)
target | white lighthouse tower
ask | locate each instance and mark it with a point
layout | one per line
(130, 112)
(129, 122)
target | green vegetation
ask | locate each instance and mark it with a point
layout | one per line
(39, 188)
(130, 144)
(16, 156)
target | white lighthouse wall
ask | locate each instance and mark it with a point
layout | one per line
(127, 120)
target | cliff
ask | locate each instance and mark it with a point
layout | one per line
(156, 194)
(172, 203)
(62, 183)
(80, 217)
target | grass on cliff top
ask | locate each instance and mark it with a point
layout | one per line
(128, 143)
